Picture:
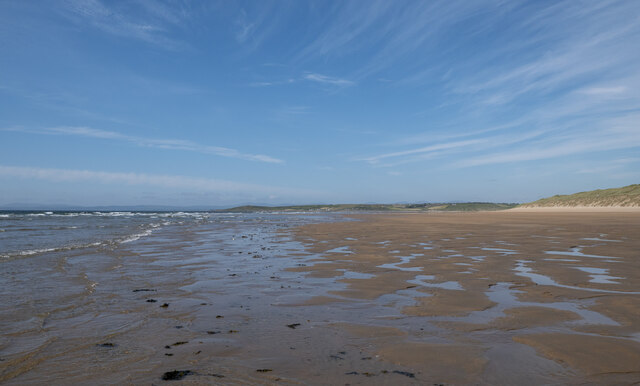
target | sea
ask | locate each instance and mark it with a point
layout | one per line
(90, 297)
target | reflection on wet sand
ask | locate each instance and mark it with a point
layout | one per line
(451, 298)
(501, 310)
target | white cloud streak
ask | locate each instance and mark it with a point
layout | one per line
(328, 80)
(561, 80)
(311, 77)
(385, 33)
(169, 144)
(145, 21)
(582, 42)
(166, 181)
(423, 150)
(620, 133)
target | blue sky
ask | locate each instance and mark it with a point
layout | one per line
(223, 103)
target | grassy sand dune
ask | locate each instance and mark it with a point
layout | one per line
(628, 196)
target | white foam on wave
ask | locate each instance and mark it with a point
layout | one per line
(136, 236)
(123, 240)
(31, 252)
(145, 233)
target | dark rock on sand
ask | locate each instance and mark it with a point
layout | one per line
(175, 375)
(405, 373)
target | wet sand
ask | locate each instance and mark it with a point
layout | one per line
(439, 298)
(518, 296)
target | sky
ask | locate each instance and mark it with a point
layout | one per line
(205, 103)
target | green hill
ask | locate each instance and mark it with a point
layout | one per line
(626, 196)
(465, 206)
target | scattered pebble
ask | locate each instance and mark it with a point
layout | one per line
(293, 326)
(108, 344)
(165, 305)
(264, 370)
(151, 300)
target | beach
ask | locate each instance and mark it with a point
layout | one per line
(508, 297)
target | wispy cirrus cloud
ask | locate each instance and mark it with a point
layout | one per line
(560, 80)
(144, 20)
(169, 144)
(423, 150)
(328, 80)
(308, 77)
(565, 46)
(604, 91)
(570, 138)
(610, 166)
(557, 148)
(168, 181)
(273, 83)
(385, 33)
(463, 147)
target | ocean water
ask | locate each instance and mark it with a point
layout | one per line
(81, 292)
(25, 233)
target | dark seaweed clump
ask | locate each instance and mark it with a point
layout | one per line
(175, 375)
(405, 373)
